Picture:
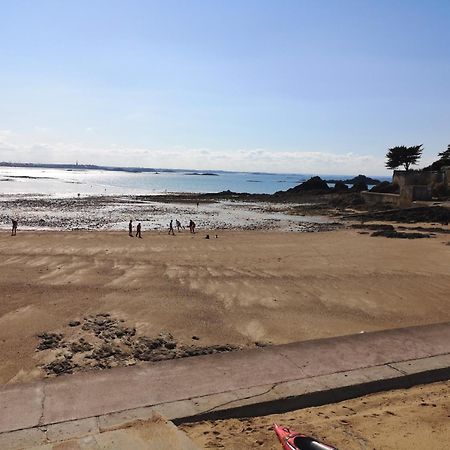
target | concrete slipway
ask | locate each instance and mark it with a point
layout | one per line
(95, 409)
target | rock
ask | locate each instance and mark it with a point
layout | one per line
(386, 188)
(195, 338)
(59, 367)
(359, 186)
(357, 179)
(49, 340)
(261, 344)
(107, 351)
(374, 226)
(80, 346)
(425, 214)
(340, 186)
(170, 345)
(400, 234)
(313, 184)
(74, 323)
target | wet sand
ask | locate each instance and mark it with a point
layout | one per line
(155, 212)
(402, 419)
(238, 289)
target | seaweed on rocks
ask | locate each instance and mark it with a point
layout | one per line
(60, 367)
(400, 235)
(373, 226)
(424, 214)
(49, 341)
(108, 342)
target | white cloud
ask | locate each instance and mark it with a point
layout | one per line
(5, 135)
(250, 160)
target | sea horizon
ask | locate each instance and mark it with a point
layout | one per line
(71, 180)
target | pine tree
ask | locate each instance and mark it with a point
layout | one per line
(403, 156)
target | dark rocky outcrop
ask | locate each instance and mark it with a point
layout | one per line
(357, 179)
(340, 186)
(425, 214)
(400, 234)
(110, 343)
(359, 186)
(374, 226)
(49, 340)
(314, 184)
(386, 188)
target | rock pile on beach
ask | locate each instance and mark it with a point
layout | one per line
(101, 342)
(400, 235)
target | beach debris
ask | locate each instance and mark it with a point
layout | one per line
(102, 342)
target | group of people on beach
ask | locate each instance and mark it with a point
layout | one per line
(178, 225)
(138, 230)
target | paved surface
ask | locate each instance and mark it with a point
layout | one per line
(155, 433)
(259, 381)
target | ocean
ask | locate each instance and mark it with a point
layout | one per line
(71, 182)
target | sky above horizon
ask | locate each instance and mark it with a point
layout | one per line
(323, 86)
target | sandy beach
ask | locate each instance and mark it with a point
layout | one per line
(401, 420)
(238, 289)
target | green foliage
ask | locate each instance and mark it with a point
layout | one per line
(445, 154)
(444, 160)
(439, 190)
(403, 156)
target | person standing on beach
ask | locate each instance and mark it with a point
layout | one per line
(138, 231)
(178, 224)
(171, 228)
(14, 227)
(130, 229)
(192, 226)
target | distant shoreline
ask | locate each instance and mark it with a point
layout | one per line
(208, 172)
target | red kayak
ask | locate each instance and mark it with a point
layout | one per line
(290, 440)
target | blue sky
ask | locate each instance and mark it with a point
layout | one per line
(324, 86)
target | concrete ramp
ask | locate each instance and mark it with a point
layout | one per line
(245, 383)
(152, 434)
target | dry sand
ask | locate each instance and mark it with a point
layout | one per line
(238, 289)
(416, 418)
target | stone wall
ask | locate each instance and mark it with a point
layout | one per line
(446, 172)
(417, 178)
(378, 198)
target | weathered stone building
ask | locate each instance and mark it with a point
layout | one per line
(413, 186)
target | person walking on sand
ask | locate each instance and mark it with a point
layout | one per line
(130, 229)
(14, 227)
(171, 228)
(138, 231)
(179, 226)
(192, 226)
